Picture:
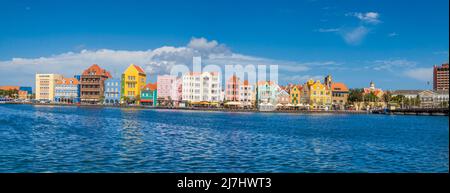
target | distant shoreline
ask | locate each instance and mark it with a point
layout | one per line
(204, 109)
(378, 112)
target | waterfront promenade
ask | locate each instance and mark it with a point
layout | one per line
(219, 109)
(422, 111)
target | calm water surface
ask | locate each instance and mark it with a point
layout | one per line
(86, 139)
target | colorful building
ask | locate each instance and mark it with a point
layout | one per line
(133, 80)
(232, 89)
(92, 84)
(45, 86)
(295, 94)
(149, 94)
(266, 92)
(372, 89)
(247, 94)
(167, 87)
(66, 91)
(316, 94)
(202, 88)
(339, 95)
(112, 91)
(283, 97)
(23, 92)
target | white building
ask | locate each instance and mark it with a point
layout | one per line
(199, 87)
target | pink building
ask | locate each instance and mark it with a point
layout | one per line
(232, 89)
(169, 89)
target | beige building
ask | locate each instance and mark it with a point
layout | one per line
(45, 86)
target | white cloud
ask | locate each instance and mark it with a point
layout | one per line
(326, 30)
(368, 17)
(299, 79)
(21, 71)
(355, 36)
(392, 64)
(393, 34)
(422, 74)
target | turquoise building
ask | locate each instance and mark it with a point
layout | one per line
(149, 95)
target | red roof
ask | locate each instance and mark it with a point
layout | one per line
(9, 87)
(66, 81)
(246, 83)
(96, 70)
(339, 86)
(151, 86)
(138, 68)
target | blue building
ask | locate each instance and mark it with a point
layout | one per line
(78, 77)
(112, 91)
(66, 90)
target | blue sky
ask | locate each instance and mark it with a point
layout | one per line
(394, 43)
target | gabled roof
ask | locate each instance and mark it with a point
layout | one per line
(66, 81)
(138, 68)
(151, 86)
(339, 86)
(96, 70)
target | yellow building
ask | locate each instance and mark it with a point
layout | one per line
(45, 86)
(133, 80)
(317, 95)
(295, 93)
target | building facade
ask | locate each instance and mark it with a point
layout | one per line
(372, 89)
(267, 92)
(283, 97)
(92, 84)
(232, 86)
(440, 77)
(316, 94)
(168, 87)
(246, 94)
(339, 95)
(149, 94)
(198, 87)
(112, 91)
(45, 86)
(295, 94)
(66, 91)
(133, 80)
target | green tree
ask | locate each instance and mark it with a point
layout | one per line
(371, 97)
(355, 95)
(387, 96)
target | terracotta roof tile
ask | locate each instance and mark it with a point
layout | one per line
(339, 86)
(66, 81)
(151, 86)
(97, 71)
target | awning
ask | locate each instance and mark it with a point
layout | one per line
(233, 103)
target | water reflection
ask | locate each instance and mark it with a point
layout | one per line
(134, 140)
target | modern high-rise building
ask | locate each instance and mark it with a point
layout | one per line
(440, 77)
(45, 86)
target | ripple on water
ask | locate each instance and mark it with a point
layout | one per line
(76, 139)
